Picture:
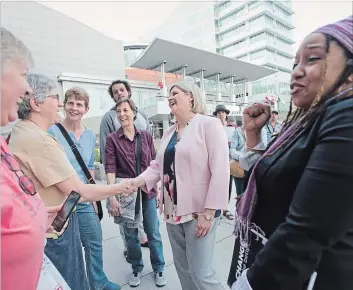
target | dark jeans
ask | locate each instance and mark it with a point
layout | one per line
(239, 185)
(151, 226)
(66, 255)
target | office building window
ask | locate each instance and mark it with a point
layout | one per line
(283, 27)
(253, 5)
(224, 6)
(234, 31)
(257, 54)
(235, 46)
(259, 87)
(284, 56)
(281, 11)
(284, 70)
(271, 53)
(232, 16)
(270, 36)
(256, 21)
(257, 37)
(283, 41)
(271, 66)
(243, 57)
(269, 20)
(264, 86)
(284, 89)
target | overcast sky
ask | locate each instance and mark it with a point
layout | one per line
(129, 20)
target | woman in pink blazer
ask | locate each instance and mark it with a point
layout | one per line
(193, 164)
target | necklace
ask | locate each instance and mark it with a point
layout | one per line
(179, 134)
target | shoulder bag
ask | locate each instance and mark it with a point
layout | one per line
(82, 164)
(235, 169)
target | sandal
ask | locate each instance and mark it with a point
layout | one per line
(228, 215)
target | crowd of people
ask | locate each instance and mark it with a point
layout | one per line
(293, 180)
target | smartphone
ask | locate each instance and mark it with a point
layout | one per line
(66, 211)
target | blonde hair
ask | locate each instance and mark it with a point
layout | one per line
(199, 102)
(79, 94)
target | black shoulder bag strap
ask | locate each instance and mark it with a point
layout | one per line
(138, 169)
(81, 163)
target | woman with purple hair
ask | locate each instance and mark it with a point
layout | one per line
(299, 195)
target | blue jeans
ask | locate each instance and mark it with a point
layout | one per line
(66, 255)
(151, 226)
(91, 238)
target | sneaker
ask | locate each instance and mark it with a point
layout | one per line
(161, 280)
(135, 279)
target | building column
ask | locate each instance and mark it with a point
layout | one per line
(202, 84)
(231, 93)
(246, 99)
(164, 92)
(165, 125)
(183, 72)
(219, 95)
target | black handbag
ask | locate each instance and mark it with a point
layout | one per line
(80, 161)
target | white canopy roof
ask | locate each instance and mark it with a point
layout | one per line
(176, 56)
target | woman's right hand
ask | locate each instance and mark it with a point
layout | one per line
(114, 207)
(138, 181)
(256, 116)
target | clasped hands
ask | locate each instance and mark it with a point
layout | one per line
(130, 185)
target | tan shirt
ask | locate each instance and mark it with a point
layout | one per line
(43, 159)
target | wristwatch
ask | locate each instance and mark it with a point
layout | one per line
(208, 217)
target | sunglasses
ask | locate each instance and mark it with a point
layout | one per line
(25, 182)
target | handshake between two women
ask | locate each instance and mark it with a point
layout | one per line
(130, 185)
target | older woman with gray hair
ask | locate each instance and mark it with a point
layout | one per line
(44, 160)
(193, 164)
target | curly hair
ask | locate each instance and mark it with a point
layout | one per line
(125, 83)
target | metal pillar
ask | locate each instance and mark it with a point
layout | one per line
(202, 84)
(218, 96)
(164, 92)
(231, 93)
(183, 72)
(246, 99)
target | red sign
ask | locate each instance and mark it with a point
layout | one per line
(160, 84)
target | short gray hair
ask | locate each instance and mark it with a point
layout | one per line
(199, 103)
(13, 49)
(41, 86)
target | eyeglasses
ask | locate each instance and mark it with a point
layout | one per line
(25, 182)
(56, 97)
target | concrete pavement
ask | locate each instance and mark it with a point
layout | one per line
(118, 270)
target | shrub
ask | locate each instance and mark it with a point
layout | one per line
(97, 155)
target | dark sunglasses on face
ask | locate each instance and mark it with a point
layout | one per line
(25, 182)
